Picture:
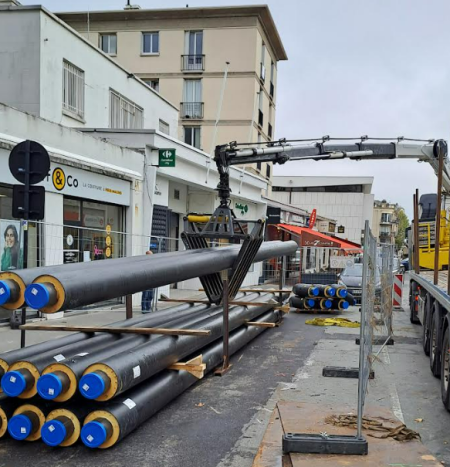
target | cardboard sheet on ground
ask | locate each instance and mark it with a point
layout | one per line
(295, 417)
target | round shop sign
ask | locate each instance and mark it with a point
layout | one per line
(108, 240)
(108, 252)
(69, 240)
(59, 178)
(108, 229)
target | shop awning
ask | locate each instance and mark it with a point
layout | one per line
(312, 238)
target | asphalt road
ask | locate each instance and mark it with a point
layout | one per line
(201, 427)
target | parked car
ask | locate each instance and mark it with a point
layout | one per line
(404, 265)
(351, 277)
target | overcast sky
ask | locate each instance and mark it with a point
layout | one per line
(356, 67)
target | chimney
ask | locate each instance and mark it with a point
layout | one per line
(130, 7)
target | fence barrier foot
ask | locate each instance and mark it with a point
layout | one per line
(343, 372)
(307, 443)
(379, 341)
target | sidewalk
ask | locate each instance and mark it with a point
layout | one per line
(10, 338)
(403, 386)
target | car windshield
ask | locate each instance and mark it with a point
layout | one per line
(355, 270)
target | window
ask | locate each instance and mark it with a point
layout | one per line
(268, 171)
(124, 113)
(385, 229)
(153, 83)
(385, 217)
(150, 43)
(192, 106)
(73, 89)
(164, 127)
(108, 43)
(192, 136)
(272, 76)
(260, 107)
(194, 43)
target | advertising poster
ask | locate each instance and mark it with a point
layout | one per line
(11, 245)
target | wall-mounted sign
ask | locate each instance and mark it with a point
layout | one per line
(341, 229)
(242, 208)
(312, 219)
(311, 240)
(337, 262)
(70, 256)
(69, 240)
(72, 181)
(167, 157)
(273, 215)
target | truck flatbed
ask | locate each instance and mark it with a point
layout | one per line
(439, 291)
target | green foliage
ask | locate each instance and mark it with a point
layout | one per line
(403, 223)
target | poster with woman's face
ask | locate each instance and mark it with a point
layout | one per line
(11, 245)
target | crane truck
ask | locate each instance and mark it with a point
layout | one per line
(429, 298)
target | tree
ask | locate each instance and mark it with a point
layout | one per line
(403, 224)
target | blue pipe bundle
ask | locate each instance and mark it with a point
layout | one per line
(309, 297)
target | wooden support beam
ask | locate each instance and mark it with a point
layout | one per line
(111, 330)
(261, 324)
(273, 303)
(195, 367)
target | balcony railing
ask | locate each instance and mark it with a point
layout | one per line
(272, 90)
(269, 131)
(260, 118)
(193, 110)
(192, 63)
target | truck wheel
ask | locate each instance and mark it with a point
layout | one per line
(434, 344)
(445, 371)
(426, 327)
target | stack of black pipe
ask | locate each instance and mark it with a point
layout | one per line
(309, 297)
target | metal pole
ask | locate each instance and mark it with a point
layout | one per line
(362, 343)
(156, 291)
(437, 245)
(128, 306)
(226, 326)
(219, 111)
(416, 233)
(281, 279)
(26, 216)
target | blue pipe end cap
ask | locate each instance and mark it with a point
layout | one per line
(53, 433)
(5, 293)
(344, 305)
(49, 386)
(328, 303)
(13, 383)
(93, 434)
(315, 291)
(91, 386)
(343, 293)
(310, 302)
(37, 296)
(20, 427)
(331, 292)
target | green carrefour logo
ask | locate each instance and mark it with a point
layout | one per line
(243, 208)
(167, 157)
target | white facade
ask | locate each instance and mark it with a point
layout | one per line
(194, 178)
(34, 44)
(348, 200)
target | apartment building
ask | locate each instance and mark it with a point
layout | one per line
(385, 223)
(219, 65)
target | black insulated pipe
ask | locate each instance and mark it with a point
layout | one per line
(130, 410)
(12, 356)
(108, 282)
(127, 369)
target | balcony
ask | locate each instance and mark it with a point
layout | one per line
(272, 90)
(262, 73)
(192, 110)
(193, 63)
(260, 118)
(385, 238)
(269, 131)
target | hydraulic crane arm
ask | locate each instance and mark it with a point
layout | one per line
(280, 152)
